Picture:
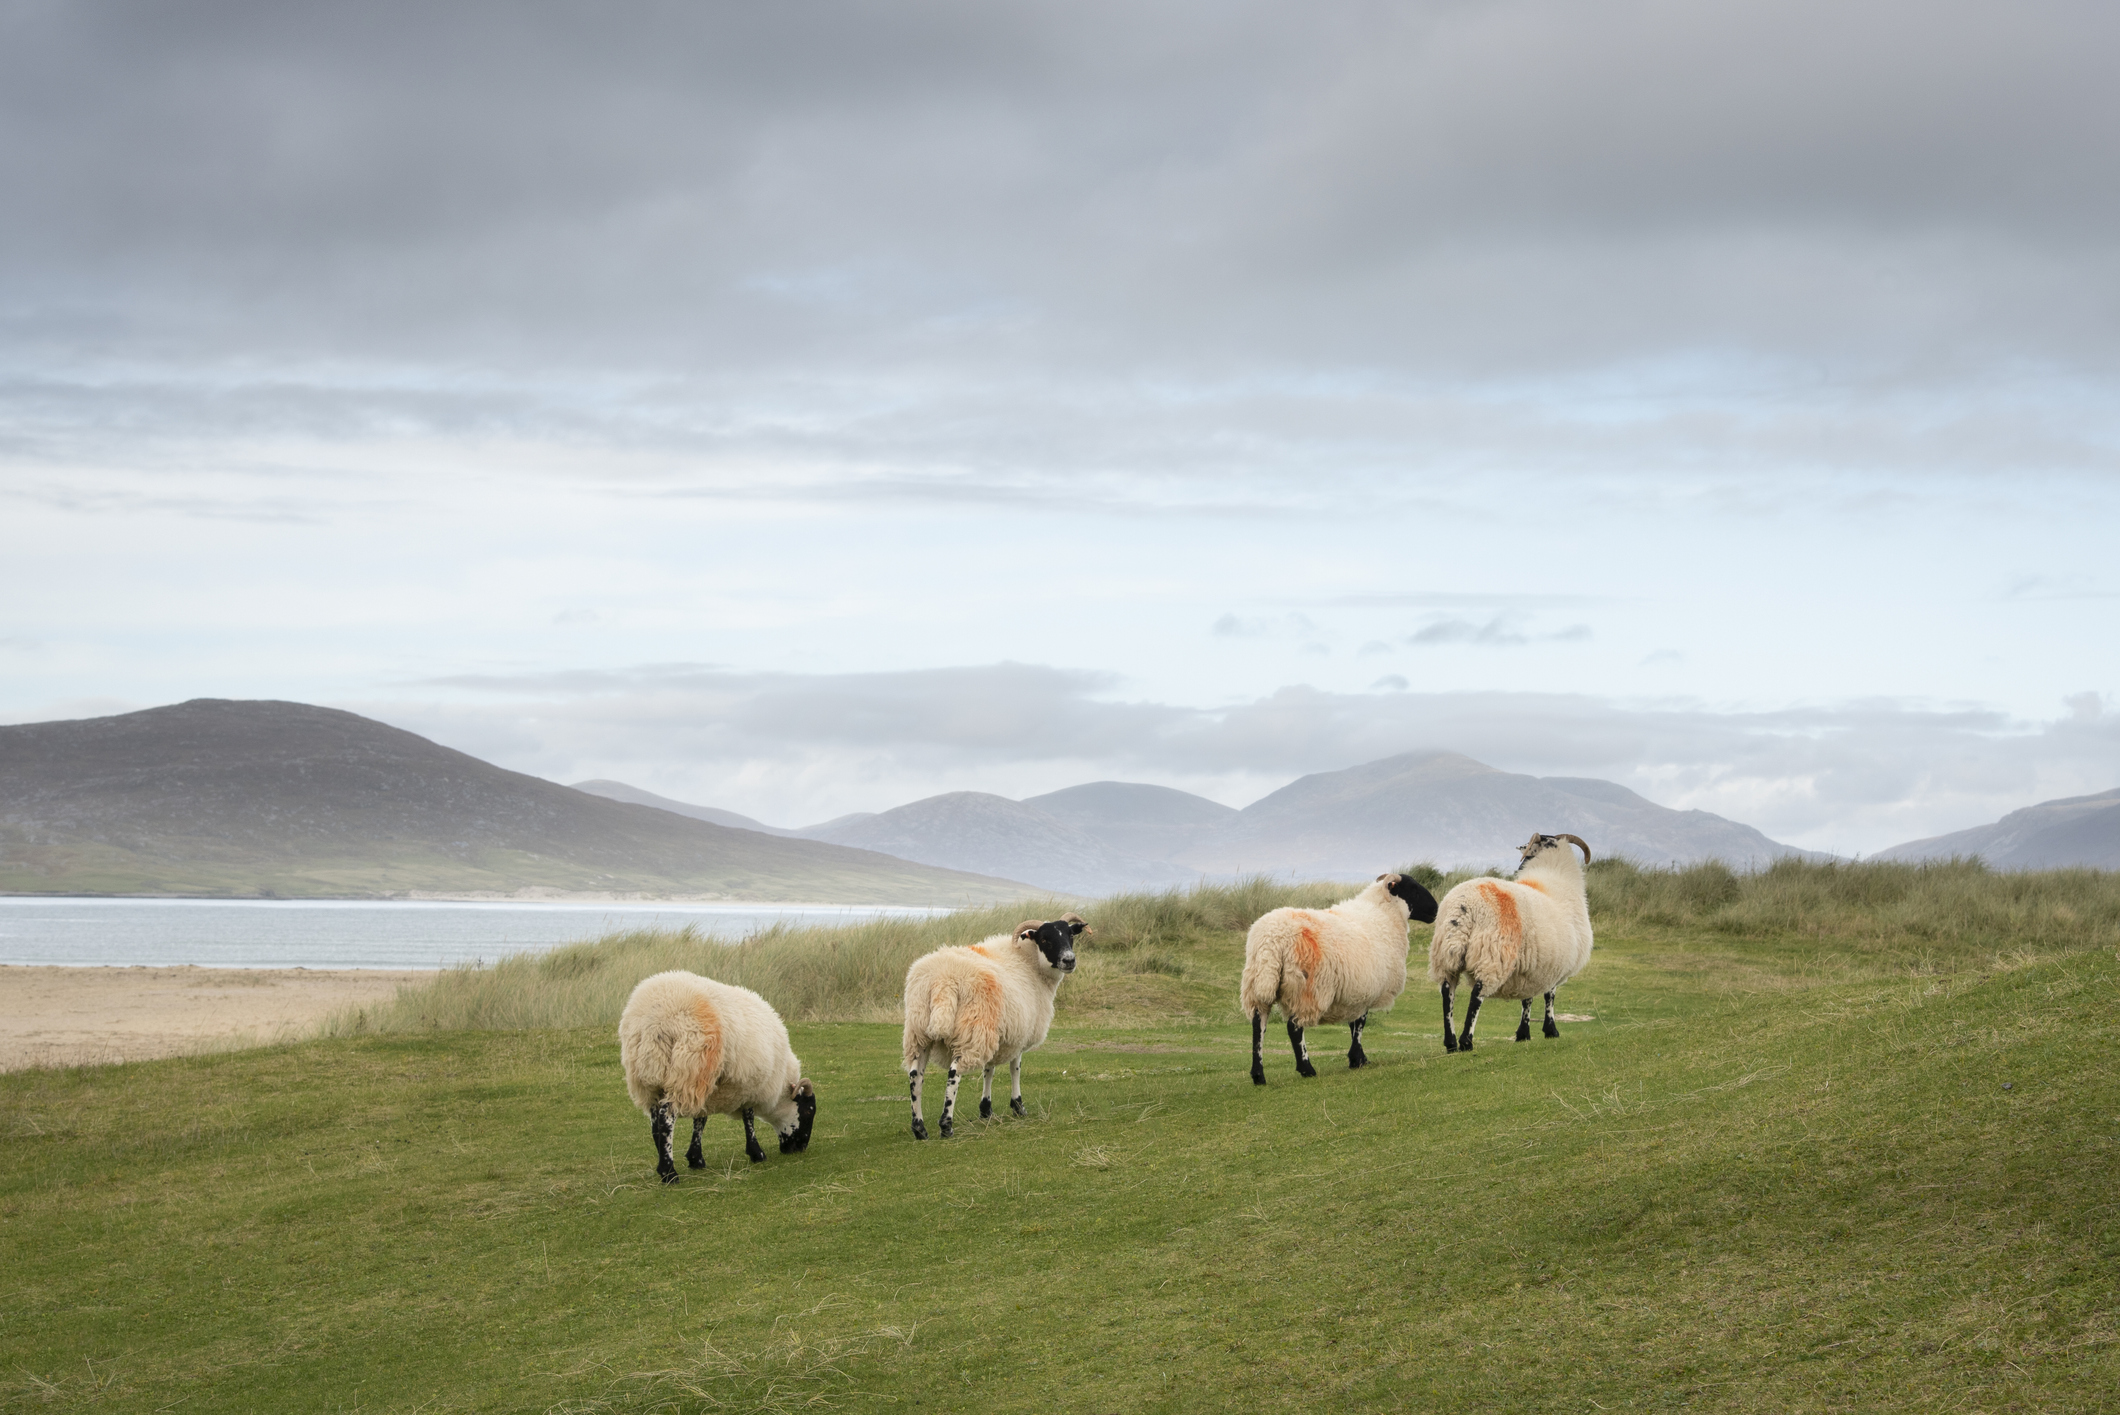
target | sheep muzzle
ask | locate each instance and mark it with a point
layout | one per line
(798, 1139)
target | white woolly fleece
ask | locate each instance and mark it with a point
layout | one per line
(982, 1004)
(708, 1049)
(1517, 938)
(1327, 965)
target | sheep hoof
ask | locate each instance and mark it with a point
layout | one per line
(1304, 1068)
(1016, 1104)
(669, 1176)
(1465, 1044)
(1258, 1074)
(945, 1127)
(1551, 1030)
(1523, 1031)
(1356, 1060)
(696, 1160)
(986, 1109)
(920, 1130)
(757, 1156)
(1450, 1044)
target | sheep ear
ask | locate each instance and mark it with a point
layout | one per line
(1386, 875)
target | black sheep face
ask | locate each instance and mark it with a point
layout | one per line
(795, 1141)
(1056, 941)
(1420, 904)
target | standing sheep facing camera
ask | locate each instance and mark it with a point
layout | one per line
(694, 1047)
(1514, 938)
(1330, 965)
(984, 1004)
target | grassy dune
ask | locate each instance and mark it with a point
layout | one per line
(1838, 1139)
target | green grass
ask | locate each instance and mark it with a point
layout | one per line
(1871, 1169)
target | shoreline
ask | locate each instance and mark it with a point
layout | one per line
(59, 1015)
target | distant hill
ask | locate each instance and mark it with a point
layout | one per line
(2076, 830)
(212, 797)
(1147, 822)
(1452, 810)
(1107, 836)
(971, 830)
(633, 795)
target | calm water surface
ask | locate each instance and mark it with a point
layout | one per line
(343, 933)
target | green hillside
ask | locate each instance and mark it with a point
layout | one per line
(1861, 1163)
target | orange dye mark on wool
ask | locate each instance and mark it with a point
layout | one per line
(1507, 923)
(1308, 956)
(980, 949)
(1532, 884)
(1505, 907)
(709, 1044)
(979, 1021)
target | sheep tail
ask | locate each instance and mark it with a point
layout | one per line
(1449, 945)
(1260, 988)
(942, 1010)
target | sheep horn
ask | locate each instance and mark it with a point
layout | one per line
(1029, 926)
(1564, 835)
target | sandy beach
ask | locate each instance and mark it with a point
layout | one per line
(91, 1016)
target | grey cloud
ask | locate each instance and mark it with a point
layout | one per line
(1852, 776)
(1495, 632)
(1501, 631)
(1032, 245)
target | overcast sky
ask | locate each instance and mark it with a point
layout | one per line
(804, 408)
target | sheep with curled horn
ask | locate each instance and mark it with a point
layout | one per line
(1519, 938)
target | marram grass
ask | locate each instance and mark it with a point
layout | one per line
(1170, 954)
(1864, 1162)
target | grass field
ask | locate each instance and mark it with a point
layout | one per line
(1835, 1141)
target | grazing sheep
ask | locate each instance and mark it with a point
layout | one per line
(695, 1047)
(984, 1004)
(1515, 938)
(1330, 965)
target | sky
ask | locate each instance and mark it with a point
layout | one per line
(803, 409)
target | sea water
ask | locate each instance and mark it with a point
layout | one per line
(350, 933)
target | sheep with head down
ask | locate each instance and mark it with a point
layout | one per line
(982, 1004)
(1519, 938)
(693, 1047)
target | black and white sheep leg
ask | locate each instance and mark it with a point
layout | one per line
(1472, 1012)
(696, 1157)
(1015, 1086)
(751, 1147)
(1258, 1060)
(1450, 1041)
(1552, 1029)
(986, 1092)
(949, 1102)
(919, 1125)
(1523, 1024)
(1356, 1057)
(660, 1128)
(1295, 1042)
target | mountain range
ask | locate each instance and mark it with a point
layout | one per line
(212, 797)
(2076, 830)
(1434, 806)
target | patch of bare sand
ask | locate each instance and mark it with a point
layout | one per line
(93, 1016)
